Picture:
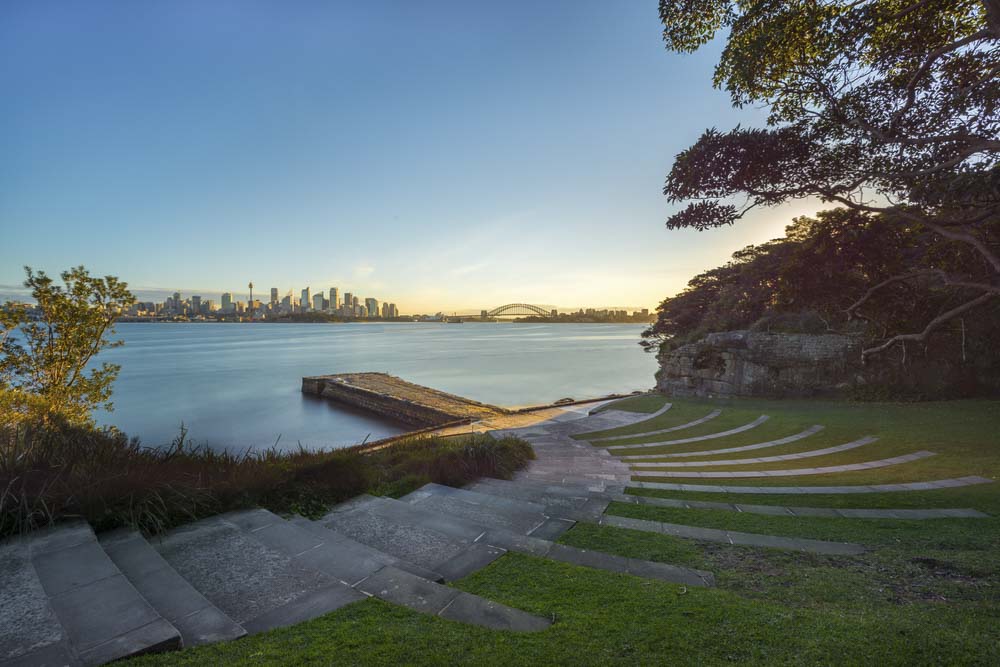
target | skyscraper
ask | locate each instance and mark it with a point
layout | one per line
(348, 304)
(227, 302)
(334, 298)
(274, 296)
(317, 302)
(196, 305)
(385, 310)
(306, 299)
(371, 306)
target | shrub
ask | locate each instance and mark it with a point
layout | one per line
(64, 471)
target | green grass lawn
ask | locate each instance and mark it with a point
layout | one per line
(926, 592)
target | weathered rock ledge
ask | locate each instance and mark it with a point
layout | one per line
(751, 363)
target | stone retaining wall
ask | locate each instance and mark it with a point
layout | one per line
(750, 363)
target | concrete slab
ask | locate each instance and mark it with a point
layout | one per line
(473, 558)
(197, 619)
(257, 586)
(552, 528)
(519, 516)
(721, 434)
(873, 488)
(467, 608)
(64, 599)
(701, 420)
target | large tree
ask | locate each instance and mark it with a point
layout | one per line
(881, 106)
(46, 350)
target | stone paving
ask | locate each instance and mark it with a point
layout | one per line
(683, 441)
(789, 472)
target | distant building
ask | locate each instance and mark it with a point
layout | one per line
(317, 302)
(334, 299)
(274, 296)
(227, 303)
(371, 306)
(348, 304)
(393, 311)
(196, 305)
(306, 299)
(385, 310)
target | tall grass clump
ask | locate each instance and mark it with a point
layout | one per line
(62, 471)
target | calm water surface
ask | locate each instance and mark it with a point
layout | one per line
(239, 385)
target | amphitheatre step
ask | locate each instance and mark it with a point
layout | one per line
(861, 488)
(430, 540)
(258, 586)
(559, 502)
(519, 516)
(779, 510)
(752, 461)
(324, 551)
(701, 420)
(734, 537)
(64, 602)
(597, 560)
(197, 619)
(812, 430)
(362, 554)
(790, 472)
(712, 436)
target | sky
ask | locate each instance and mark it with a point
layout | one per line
(441, 155)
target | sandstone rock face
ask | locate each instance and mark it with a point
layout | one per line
(751, 363)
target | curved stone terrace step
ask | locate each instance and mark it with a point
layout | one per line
(693, 532)
(257, 585)
(949, 483)
(779, 510)
(763, 459)
(575, 497)
(633, 422)
(701, 420)
(64, 602)
(735, 537)
(812, 430)
(324, 551)
(197, 619)
(712, 436)
(492, 539)
(439, 543)
(791, 472)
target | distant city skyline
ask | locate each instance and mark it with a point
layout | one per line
(454, 155)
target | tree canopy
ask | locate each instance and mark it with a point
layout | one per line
(44, 359)
(886, 107)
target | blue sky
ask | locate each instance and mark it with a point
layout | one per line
(442, 155)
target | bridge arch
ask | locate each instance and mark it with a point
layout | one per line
(518, 309)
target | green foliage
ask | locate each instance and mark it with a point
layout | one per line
(882, 106)
(43, 362)
(811, 280)
(60, 470)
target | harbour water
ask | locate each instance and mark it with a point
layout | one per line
(238, 385)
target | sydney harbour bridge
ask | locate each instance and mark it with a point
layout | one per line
(517, 310)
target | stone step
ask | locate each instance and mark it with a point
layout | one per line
(362, 553)
(701, 420)
(63, 601)
(576, 503)
(326, 552)
(518, 516)
(197, 619)
(257, 585)
(735, 537)
(712, 436)
(597, 560)
(437, 542)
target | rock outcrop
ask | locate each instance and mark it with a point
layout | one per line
(751, 363)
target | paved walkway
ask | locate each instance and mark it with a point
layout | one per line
(790, 472)
(712, 436)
